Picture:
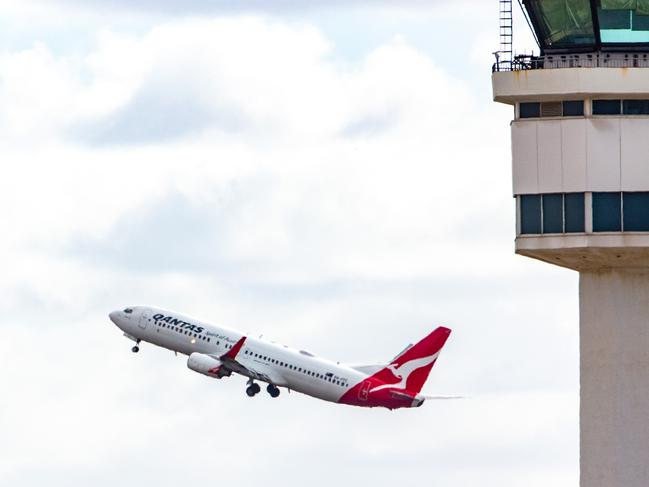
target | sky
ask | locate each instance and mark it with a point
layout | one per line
(331, 175)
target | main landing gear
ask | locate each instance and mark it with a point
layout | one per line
(252, 389)
(273, 390)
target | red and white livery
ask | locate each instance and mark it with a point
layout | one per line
(217, 352)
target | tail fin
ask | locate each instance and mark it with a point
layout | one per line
(410, 369)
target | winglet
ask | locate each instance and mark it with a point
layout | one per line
(234, 351)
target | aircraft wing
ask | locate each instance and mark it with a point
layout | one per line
(256, 371)
(266, 374)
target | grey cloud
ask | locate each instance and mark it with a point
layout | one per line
(170, 235)
(156, 114)
(371, 125)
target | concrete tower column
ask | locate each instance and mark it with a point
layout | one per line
(614, 367)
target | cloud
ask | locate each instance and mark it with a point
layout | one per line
(156, 114)
(257, 6)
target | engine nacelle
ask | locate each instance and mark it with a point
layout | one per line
(206, 365)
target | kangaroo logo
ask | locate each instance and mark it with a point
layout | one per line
(402, 372)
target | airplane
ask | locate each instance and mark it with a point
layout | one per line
(218, 352)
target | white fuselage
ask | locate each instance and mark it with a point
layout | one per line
(294, 369)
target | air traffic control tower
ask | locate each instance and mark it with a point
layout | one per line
(580, 158)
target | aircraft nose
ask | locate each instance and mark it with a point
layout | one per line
(114, 315)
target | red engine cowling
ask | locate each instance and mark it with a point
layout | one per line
(206, 365)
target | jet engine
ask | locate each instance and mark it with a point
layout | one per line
(206, 365)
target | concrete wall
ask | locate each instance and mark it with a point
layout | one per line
(580, 154)
(614, 366)
(556, 84)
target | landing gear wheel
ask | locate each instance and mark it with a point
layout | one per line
(273, 390)
(252, 389)
(135, 349)
(256, 388)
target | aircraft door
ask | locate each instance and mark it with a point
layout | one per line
(364, 391)
(144, 318)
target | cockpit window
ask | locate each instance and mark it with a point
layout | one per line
(128, 311)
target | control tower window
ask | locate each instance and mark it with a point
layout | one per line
(606, 107)
(574, 212)
(569, 108)
(635, 107)
(561, 24)
(624, 21)
(636, 212)
(529, 110)
(607, 212)
(530, 213)
(552, 213)
(569, 25)
(573, 108)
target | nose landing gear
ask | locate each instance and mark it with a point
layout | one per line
(136, 348)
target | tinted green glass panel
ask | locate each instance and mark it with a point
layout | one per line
(530, 213)
(636, 212)
(607, 212)
(641, 5)
(574, 204)
(552, 213)
(614, 19)
(563, 23)
(640, 22)
(624, 21)
(568, 24)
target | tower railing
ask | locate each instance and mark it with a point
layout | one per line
(556, 61)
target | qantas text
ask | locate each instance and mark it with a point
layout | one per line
(179, 323)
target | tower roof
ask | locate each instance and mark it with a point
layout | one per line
(590, 25)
